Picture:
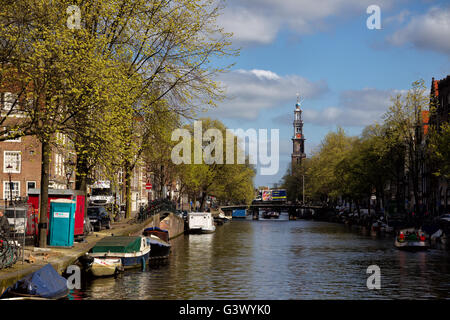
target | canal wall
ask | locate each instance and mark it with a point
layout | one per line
(174, 224)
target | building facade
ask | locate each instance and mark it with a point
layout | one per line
(440, 114)
(20, 158)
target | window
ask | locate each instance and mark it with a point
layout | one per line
(58, 164)
(12, 159)
(12, 140)
(120, 176)
(8, 100)
(31, 185)
(15, 190)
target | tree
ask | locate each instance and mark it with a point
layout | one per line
(213, 176)
(404, 119)
(322, 174)
(439, 150)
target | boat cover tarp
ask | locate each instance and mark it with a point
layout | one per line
(155, 229)
(118, 244)
(157, 241)
(45, 282)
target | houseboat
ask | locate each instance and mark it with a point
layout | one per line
(200, 222)
(133, 251)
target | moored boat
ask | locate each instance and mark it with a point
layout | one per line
(381, 226)
(158, 239)
(106, 267)
(200, 222)
(411, 240)
(45, 283)
(271, 215)
(160, 233)
(160, 249)
(101, 267)
(133, 251)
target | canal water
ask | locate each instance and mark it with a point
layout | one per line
(281, 259)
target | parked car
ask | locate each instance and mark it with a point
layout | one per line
(99, 218)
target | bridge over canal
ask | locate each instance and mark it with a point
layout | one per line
(294, 210)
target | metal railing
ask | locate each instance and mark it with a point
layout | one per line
(153, 208)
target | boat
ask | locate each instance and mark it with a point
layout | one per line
(200, 222)
(271, 215)
(160, 233)
(160, 249)
(381, 226)
(411, 240)
(133, 251)
(239, 214)
(101, 267)
(158, 239)
(221, 218)
(45, 283)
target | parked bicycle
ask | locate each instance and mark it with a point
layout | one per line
(10, 252)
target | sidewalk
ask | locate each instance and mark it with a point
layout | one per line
(60, 258)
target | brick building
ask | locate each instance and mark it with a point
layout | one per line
(439, 114)
(20, 158)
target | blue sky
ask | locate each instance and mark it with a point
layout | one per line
(344, 72)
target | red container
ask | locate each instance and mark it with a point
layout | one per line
(74, 195)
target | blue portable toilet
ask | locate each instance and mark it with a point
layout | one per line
(62, 222)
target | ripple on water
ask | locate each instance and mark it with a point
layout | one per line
(282, 260)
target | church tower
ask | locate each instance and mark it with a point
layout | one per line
(298, 140)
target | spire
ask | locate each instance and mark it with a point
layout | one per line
(297, 105)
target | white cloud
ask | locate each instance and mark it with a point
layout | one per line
(429, 31)
(355, 108)
(259, 21)
(250, 92)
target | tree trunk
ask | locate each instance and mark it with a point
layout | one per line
(43, 206)
(127, 190)
(81, 179)
(358, 208)
(202, 202)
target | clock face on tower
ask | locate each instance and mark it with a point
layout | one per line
(298, 136)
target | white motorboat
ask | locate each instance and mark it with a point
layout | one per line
(200, 222)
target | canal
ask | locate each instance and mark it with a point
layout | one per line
(281, 259)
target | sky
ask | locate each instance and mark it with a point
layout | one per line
(344, 72)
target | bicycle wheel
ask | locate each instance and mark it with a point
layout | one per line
(8, 257)
(3, 245)
(15, 251)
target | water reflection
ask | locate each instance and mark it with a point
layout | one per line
(281, 259)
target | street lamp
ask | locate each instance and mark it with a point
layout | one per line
(9, 167)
